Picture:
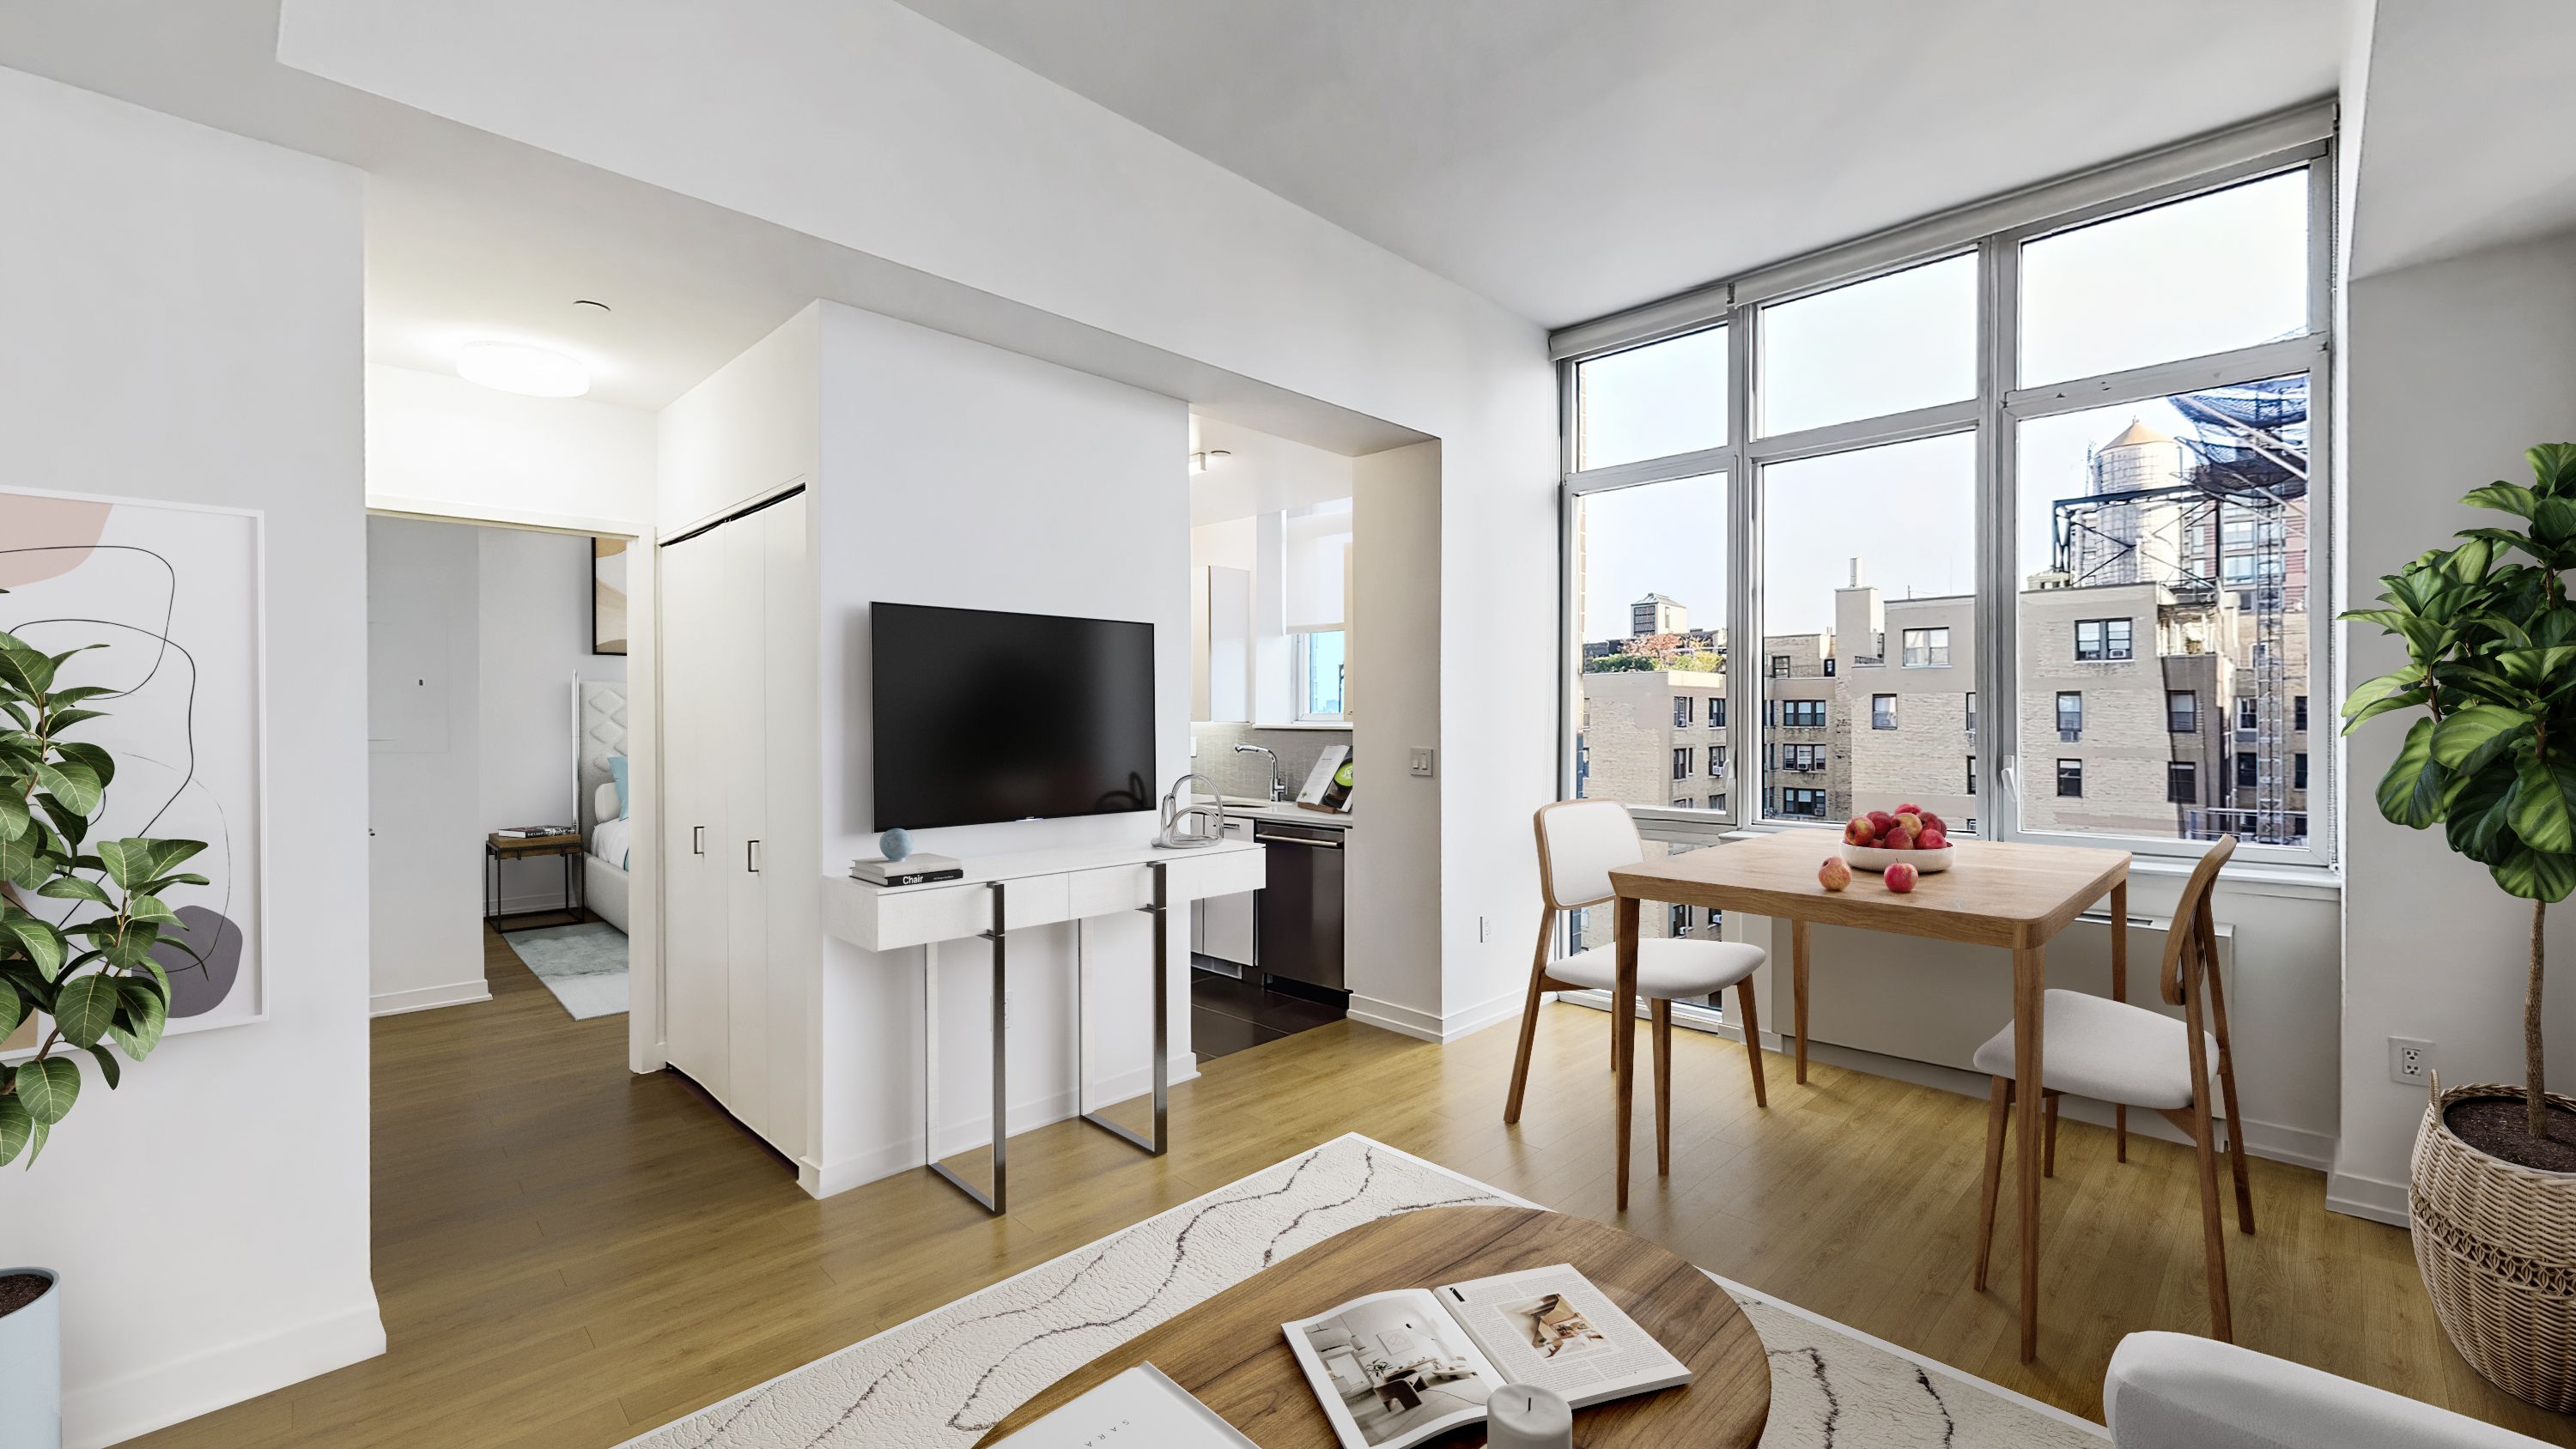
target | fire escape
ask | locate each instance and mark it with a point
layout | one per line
(2245, 461)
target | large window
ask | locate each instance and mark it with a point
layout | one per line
(2066, 459)
(1320, 657)
(1650, 564)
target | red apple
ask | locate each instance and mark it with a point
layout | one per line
(1901, 877)
(1881, 821)
(1909, 809)
(1834, 874)
(1859, 831)
(1935, 822)
(1897, 839)
(1932, 840)
(1911, 821)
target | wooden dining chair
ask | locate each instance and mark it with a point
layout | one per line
(1579, 843)
(2111, 1051)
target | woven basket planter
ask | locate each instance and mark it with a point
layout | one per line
(2497, 1246)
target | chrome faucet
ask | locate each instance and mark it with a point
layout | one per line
(1278, 786)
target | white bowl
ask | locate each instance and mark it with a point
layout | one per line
(1870, 857)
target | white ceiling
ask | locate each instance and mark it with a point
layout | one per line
(1569, 158)
(2466, 118)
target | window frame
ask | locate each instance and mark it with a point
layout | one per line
(1906, 647)
(1301, 644)
(1994, 231)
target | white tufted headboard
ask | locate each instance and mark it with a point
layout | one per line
(602, 720)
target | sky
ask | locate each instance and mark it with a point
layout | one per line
(2223, 270)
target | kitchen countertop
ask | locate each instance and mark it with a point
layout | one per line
(1286, 812)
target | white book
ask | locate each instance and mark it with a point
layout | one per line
(1393, 1369)
(1139, 1409)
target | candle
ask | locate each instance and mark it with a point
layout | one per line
(1523, 1416)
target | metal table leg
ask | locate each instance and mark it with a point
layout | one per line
(1161, 1141)
(997, 1201)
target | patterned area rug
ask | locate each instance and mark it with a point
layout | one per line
(584, 965)
(943, 1379)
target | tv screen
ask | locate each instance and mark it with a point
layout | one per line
(984, 716)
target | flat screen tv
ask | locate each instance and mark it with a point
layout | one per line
(984, 716)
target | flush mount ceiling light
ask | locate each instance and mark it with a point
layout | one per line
(517, 367)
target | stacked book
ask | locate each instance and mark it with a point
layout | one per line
(911, 870)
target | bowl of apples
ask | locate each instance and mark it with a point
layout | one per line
(1908, 834)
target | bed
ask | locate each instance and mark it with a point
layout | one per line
(606, 831)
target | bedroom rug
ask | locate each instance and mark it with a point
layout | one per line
(941, 1380)
(584, 965)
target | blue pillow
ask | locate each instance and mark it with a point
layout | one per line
(617, 772)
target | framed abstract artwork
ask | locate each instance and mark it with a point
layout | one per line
(171, 596)
(608, 595)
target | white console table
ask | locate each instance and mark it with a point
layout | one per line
(1000, 894)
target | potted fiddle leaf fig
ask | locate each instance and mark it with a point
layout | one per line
(81, 924)
(2490, 757)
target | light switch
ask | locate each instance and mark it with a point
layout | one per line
(1422, 762)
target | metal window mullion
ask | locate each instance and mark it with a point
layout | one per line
(1998, 511)
(1744, 569)
(1905, 427)
(2177, 188)
(2164, 379)
(1651, 470)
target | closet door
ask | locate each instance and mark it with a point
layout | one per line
(790, 850)
(742, 762)
(694, 833)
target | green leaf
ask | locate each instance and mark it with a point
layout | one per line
(26, 670)
(141, 907)
(2536, 875)
(17, 1129)
(13, 1009)
(125, 861)
(13, 816)
(2553, 467)
(85, 1008)
(48, 1086)
(63, 719)
(37, 939)
(73, 783)
(2410, 793)
(150, 1013)
(107, 1066)
(73, 888)
(100, 762)
(2479, 823)
(69, 823)
(2399, 690)
(2541, 670)
(2467, 738)
(2554, 522)
(2544, 804)
(2504, 498)
(167, 853)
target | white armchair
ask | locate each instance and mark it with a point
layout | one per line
(2175, 1391)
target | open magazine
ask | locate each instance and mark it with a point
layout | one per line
(1396, 1368)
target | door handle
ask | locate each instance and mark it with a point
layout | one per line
(697, 840)
(751, 856)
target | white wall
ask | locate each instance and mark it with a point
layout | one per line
(1391, 949)
(2455, 368)
(534, 606)
(441, 445)
(947, 159)
(959, 474)
(748, 430)
(184, 322)
(424, 830)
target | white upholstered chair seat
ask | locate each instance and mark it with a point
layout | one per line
(1667, 970)
(2107, 1050)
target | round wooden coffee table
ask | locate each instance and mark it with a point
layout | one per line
(1229, 1350)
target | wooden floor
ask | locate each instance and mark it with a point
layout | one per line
(568, 1254)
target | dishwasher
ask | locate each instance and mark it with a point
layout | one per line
(1300, 931)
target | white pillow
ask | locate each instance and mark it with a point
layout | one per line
(603, 802)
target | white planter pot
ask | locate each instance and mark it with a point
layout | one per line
(31, 1369)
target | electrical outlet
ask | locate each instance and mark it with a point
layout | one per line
(2410, 1062)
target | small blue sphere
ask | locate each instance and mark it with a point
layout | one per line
(895, 843)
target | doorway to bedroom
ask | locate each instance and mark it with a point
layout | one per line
(499, 802)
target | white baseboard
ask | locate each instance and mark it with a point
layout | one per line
(155, 1398)
(1446, 1028)
(427, 998)
(823, 1179)
(2357, 1196)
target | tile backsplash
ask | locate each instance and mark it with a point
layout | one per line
(1249, 775)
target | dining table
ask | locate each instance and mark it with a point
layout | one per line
(2013, 895)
